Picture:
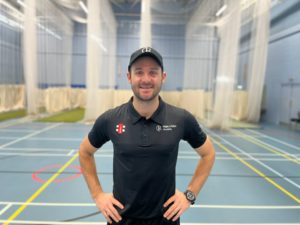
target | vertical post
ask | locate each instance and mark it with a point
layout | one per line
(93, 60)
(30, 55)
(146, 33)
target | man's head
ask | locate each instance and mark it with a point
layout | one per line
(145, 73)
(146, 51)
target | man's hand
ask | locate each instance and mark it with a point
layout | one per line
(106, 204)
(178, 204)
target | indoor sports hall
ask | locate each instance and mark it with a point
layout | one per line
(233, 64)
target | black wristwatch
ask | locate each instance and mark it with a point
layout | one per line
(190, 196)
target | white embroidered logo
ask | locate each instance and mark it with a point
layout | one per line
(165, 127)
(158, 128)
(148, 49)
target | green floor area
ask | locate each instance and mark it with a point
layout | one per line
(12, 114)
(69, 116)
(243, 124)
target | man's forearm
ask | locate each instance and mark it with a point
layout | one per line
(201, 174)
(88, 165)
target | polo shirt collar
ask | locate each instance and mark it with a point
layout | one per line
(156, 117)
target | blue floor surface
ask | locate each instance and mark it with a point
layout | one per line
(255, 180)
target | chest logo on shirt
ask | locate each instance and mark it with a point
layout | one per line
(165, 128)
(120, 128)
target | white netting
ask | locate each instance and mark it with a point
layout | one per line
(212, 43)
(54, 61)
(229, 33)
(47, 46)
(201, 42)
(101, 47)
(258, 58)
(11, 68)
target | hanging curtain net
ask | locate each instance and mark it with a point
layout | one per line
(54, 57)
(216, 86)
(11, 66)
(211, 57)
(258, 58)
(214, 54)
(101, 53)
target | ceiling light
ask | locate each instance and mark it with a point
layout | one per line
(221, 10)
(21, 3)
(82, 5)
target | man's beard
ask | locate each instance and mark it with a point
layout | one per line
(147, 99)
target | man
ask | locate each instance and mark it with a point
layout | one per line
(145, 133)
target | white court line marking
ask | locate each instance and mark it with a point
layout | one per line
(29, 135)
(43, 139)
(49, 149)
(234, 136)
(259, 162)
(8, 138)
(55, 139)
(274, 139)
(100, 155)
(51, 222)
(77, 204)
(271, 155)
(34, 154)
(16, 130)
(5, 208)
(71, 152)
(37, 149)
(269, 145)
(255, 154)
(104, 223)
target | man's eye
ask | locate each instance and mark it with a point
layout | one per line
(153, 73)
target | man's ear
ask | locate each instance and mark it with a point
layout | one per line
(129, 77)
(164, 76)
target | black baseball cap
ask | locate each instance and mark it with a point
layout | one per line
(146, 51)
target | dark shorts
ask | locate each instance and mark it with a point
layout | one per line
(155, 221)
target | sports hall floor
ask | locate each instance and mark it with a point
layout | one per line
(255, 180)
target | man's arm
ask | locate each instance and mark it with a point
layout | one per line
(104, 201)
(178, 202)
(205, 164)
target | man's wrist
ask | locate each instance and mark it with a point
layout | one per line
(97, 194)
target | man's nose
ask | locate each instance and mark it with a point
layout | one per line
(146, 77)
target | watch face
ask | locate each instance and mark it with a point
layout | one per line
(190, 196)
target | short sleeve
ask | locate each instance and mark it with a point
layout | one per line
(98, 134)
(193, 133)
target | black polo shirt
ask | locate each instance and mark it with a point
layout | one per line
(145, 154)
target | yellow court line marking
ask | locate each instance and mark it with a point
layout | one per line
(257, 171)
(261, 144)
(39, 191)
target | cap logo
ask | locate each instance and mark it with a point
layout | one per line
(147, 49)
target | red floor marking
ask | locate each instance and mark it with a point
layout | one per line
(35, 175)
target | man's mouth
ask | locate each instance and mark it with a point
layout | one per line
(146, 87)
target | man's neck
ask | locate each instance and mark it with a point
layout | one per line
(145, 108)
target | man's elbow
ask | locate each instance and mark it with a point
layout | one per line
(212, 154)
(85, 149)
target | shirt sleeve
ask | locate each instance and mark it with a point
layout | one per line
(193, 133)
(98, 134)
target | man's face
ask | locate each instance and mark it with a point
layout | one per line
(146, 78)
